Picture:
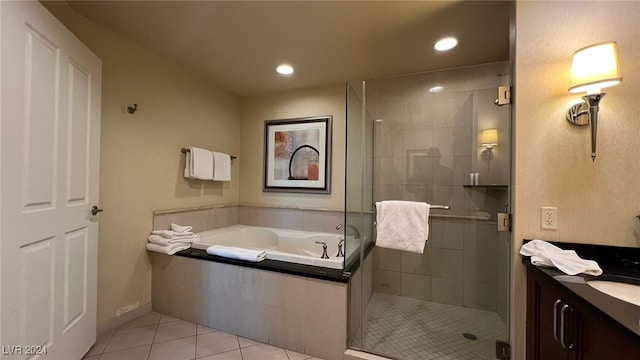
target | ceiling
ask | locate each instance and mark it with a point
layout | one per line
(238, 44)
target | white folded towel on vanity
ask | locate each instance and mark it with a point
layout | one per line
(402, 225)
(169, 250)
(237, 253)
(545, 254)
(199, 164)
(221, 166)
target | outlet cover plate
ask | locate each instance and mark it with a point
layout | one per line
(549, 218)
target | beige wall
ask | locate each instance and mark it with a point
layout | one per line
(597, 202)
(141, 164)
(292, 104)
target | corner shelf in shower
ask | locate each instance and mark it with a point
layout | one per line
(492, 186)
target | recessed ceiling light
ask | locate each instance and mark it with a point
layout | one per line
(284, 69)
(446, 44)
(378, 120)
(436, 89)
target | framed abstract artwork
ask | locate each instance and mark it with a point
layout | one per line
(297, 155)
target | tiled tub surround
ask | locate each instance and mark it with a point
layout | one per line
(219, 216)
(302, 314)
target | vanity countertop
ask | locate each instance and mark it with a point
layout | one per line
(617, 261)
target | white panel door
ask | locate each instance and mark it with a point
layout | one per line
(50, 143)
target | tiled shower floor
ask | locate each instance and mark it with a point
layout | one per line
(412, 329)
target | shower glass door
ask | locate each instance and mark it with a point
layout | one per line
(438, 138)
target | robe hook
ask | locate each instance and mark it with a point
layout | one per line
(132, 108)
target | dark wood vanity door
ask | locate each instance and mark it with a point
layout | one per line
(543, 295)
(600, 337)
(589, 334)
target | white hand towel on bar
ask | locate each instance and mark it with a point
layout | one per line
(237, 253)
(545, 254)
(221, 166)
(187, 165)
(181, 228)
(163, 241)
(402, 225)
(169, 250)
(200, 164)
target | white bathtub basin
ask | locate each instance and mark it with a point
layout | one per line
(280, 244)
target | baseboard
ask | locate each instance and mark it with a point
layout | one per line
(109, 325)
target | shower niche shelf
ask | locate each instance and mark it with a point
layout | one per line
(491, 186)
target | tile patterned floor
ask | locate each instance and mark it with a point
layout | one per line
(412, 329)
(159, 337)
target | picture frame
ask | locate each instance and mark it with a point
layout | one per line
(297, 155)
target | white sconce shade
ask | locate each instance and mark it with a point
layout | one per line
(595, 67)
(489, 138)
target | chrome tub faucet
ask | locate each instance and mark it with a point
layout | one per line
(355, 229)
(324, 249)
(340, 251)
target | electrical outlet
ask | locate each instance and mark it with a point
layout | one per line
(549, 217)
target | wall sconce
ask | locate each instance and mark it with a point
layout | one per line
(488, 140)
(594, 67)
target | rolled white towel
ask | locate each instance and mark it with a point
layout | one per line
(181, 228)
(237, 253)
(163, 241)
(169, 234)
(169, 250)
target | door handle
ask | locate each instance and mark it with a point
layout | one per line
(563, 331)
(555, 319)
(95, 210)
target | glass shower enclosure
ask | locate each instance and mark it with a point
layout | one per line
(438, 138)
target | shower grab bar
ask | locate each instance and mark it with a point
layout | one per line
(435, 207)
(186, 150)
(463, 217)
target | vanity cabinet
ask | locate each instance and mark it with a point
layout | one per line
(562, 325)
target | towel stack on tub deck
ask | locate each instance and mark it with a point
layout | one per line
(171, 241)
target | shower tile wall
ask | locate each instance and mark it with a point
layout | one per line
(454, 268)
(425, 146)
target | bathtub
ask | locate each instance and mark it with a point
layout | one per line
(280, 244)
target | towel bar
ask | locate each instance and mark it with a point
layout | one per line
(440, 207)
(185, 150)
(435, 207)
